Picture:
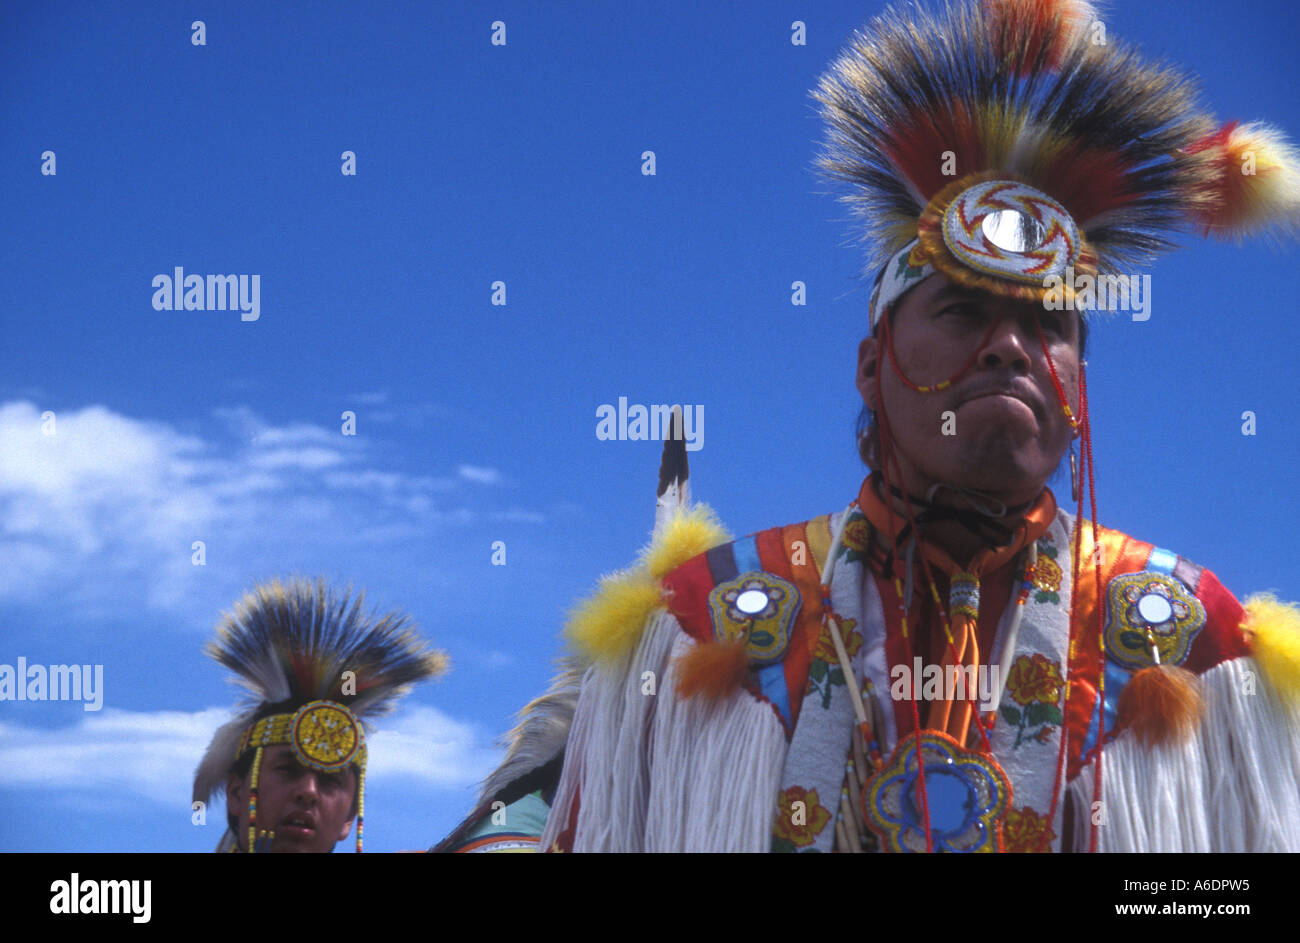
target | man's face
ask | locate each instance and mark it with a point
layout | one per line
(999, 428)
(309, 811)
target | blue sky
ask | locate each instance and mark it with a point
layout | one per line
(476, 423)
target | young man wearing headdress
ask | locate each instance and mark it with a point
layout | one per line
(293, 761)
(954, 662)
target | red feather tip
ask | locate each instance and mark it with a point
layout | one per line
(1024, 28)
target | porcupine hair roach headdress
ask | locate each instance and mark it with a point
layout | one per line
(1006, 144)
(315, 667)
(1021, 107)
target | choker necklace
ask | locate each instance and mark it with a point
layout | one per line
(980, 519)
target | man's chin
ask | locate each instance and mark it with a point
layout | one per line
(298, 844)
(999, 410)
(999, 476)
(284, 848)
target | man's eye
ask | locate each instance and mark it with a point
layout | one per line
(963, 309)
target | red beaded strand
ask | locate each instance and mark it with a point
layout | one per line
(1078, 424)
(1101, 638)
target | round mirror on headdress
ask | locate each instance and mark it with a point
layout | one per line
(1010, 230)
(1013, 231)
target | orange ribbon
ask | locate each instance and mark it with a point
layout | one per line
(950, 715)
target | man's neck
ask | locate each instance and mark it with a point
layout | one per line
(952, 536)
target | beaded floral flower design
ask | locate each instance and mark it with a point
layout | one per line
(1026, 831)
(1034, 684)
(800, 819)
(825, 673)
(1046, 575)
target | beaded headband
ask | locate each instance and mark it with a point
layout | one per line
(325, 736)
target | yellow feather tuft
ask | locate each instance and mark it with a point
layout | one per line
(608, 626)
(1273, 629)
(688, 534)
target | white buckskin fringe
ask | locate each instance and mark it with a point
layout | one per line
(663, 773)
(1253, 753)
(715, 770)
(604, 764)
(1153, 800)
(1233, 786)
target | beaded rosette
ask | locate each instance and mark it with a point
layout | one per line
(963, 795)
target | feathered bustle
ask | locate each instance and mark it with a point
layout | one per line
(541, 731)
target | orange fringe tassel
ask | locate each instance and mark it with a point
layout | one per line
(712, 669)
(1161, 704)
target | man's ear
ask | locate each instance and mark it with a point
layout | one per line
(868, 362)
(345, 830)
(235, 798)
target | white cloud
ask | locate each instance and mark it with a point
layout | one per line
(307, 459)
(109, 507)
(426, 744)
(479, 475)
(149, 754)
(153, 755)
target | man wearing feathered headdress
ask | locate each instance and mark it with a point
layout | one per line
(293, 761)
(954, 662)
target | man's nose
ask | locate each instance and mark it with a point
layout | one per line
(308, 787)
(1008, 345)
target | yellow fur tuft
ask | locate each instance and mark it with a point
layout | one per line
(688, 534)
(608, 626)
(1273, 629)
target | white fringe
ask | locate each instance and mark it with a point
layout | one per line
(1233, 786)
(659, 773)
(715, 772)
(1253, 752)
(1153, 799)
(603, 765)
